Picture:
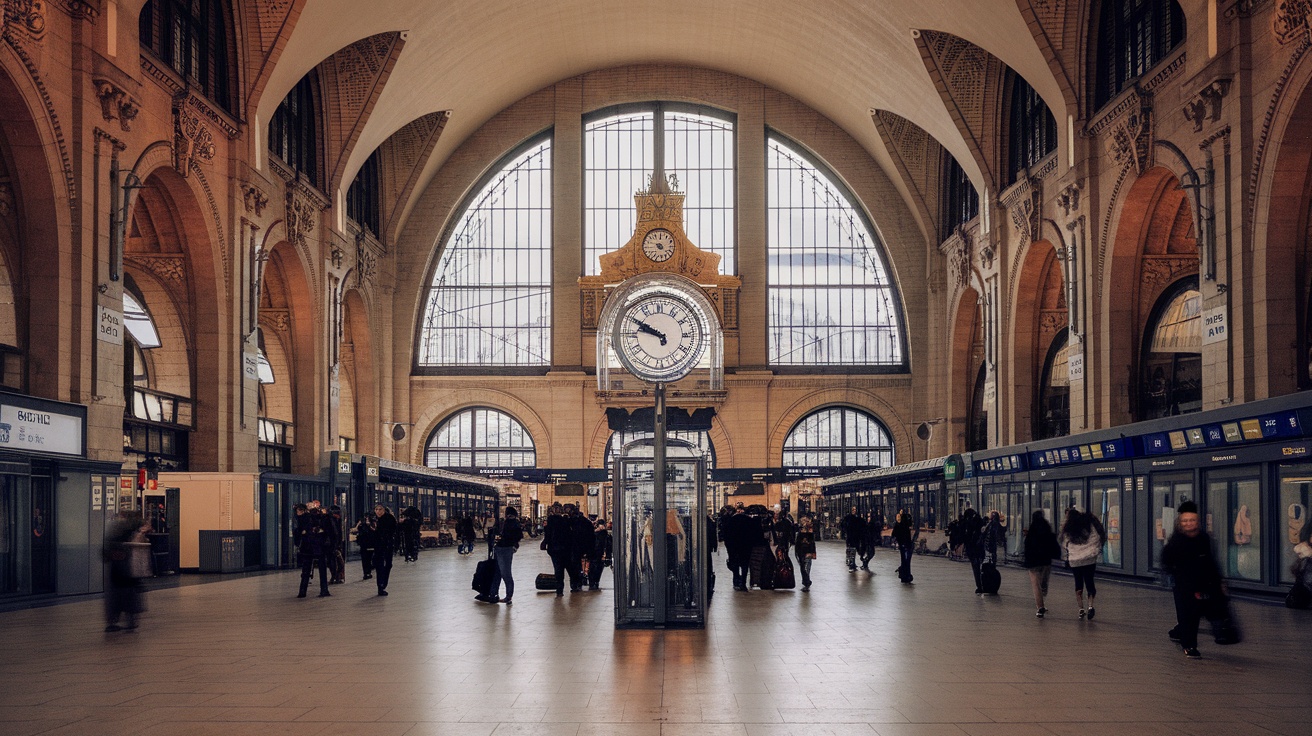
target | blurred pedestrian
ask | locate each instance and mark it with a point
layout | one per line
(128, 553)
(385, 533)
(1041, 549)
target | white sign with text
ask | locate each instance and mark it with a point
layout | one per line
(1075, 364)
(1214, 325)
(110, 329)
(39, 431)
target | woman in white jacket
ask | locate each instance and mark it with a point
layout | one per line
(1081, 540)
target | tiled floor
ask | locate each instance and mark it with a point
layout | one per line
(859, 654)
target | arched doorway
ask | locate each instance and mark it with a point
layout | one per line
(1040, 318)
(968, 372)
(1155, 247)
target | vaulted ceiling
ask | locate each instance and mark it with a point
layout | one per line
(844, 58)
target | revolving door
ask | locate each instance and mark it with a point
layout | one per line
(660, 578)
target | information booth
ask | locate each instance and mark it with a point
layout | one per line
(660, 579)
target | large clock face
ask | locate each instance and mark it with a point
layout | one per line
(658, 245)
(660, 337)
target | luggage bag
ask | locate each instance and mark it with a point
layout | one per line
(483, 574)
(990, 577)
(545, 581)
(762, 568)
(784, 579)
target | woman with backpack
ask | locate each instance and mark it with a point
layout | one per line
(1081, 538)
(1040, 549)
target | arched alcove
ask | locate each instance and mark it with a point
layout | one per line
(1040, 314)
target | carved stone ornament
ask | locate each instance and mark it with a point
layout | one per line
(278, 320)
(1131, 143)
(1068, 199)
(27, 15)
(1023, 203)
(192, 140)
(254, 199)
(301, 217)
(116, 103)
(1206, 105)
(958, 253)
(168, 269)
(1291, 21)
(79, 9)
(986, 255)
(366, 263)
(1242, 9)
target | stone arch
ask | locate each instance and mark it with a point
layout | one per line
(1154, 246)
(427, 421)
(359, 360)
(967, 354)
(288, 306)
(1282, 244)
(903, 449)
(35, 243)
(187, 262)
(1040, 313)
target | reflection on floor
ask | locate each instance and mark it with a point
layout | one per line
(859, 654)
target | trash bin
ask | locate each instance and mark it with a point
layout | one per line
(222, 551)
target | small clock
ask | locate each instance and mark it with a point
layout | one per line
(658, 245)
(661, 336)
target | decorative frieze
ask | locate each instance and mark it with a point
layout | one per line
(1131, 141)
(116, 103)
(957, 249)
(1068, 199)
(192, 140)
(28, 16)
(254, 200)
(1291, 20)
(301, 217)
(169, 269)
(1024, 201)
(79, 9)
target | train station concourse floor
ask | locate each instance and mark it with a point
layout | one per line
(858, 654)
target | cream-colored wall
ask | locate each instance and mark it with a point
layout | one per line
(207, 501)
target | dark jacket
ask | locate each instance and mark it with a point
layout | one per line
(995, 534)
(511, 533)
(1190, 560)
(557, 534)
(316, 534)
(972, 535)
(740, 533)
(600, 544)
(904, 534)
(385, 533)
(581, 538)
(782, 531)
(365, 534)
(804, 544)
(1041, 546)
(465, 528)
(854, 529)
(874, 531)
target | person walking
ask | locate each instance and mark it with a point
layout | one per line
(411, 521)
(556, 541)
(805, 546)
(384, 546)
(995, 535)
(337, 559)
(582, 540)
(315, 546)
(1188, 557)
(872, 536)
(600, 555)
(854, 530)
(905, 534)
(1041, 549)
(366, 536)
(1081, 538)
(128, 554)
(505, 546)
(738, 535)
(972, 540)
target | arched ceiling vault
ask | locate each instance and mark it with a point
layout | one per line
(844, 58)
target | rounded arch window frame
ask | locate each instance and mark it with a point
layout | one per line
(831, 175)
(844, 449)
(1060, 341)
(474, 449)
(1168, 295)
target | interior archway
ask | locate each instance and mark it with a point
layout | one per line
(1040, 316)
(358, 363)
(967, 361)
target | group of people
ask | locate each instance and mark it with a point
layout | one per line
(319, 537)
(580, 548)
(758, 542)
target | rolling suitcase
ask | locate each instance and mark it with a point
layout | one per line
(545, 581)
(762, 568)
(784, 579)
(990, 577)
(483, 574)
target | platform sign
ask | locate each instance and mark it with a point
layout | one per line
(1075, 367)
(1214, 325)
(110, 327)
(35, 430)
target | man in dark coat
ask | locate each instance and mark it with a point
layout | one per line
(971, 527)
(854, 530)
(871, 538)
(1188, 557)
(740, 534)
(316, 544)
(365, 535)
(384, 546)
(600, 553)
(582, 541)
(557, 540)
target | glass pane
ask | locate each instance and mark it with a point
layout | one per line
(462, 441)
(1295, 525)
(1168, 493)
(1234, 522)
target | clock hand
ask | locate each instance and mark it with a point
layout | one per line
(644, 327)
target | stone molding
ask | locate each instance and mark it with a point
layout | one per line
(116, 103)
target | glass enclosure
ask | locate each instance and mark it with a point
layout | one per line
(660, 579)
(1234, 519)
(1293, 525)
(1169, 491)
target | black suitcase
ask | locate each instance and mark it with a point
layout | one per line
(483, 574)
(784, 579)
(762, 568)
(990, 578)
(545, 581)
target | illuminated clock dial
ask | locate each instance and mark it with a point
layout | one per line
(658, 245)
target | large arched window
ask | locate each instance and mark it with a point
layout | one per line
(623, 146)
(977, 423)
(480, 438)
(838, 436)
(363, 197)
(1133, 35)
(191, 36)
(698, 439)
(1054, 416)
(1032, 131)
(1171, 376)
(490, 301)
(294, 129)
(831, 300)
